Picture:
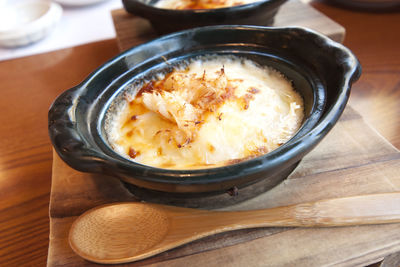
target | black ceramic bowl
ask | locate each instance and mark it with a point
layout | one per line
(259, 13)
(321, 70)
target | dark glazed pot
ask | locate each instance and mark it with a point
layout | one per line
(260, 13)
(321, 70)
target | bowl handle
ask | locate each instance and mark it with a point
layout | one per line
(69, 143)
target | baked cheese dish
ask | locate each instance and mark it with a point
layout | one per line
(212, 112)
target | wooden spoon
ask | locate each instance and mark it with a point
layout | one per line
(125, 232)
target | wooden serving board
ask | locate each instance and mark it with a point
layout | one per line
(353, 159)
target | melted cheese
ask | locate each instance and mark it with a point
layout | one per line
(200, 4)
(217, 111)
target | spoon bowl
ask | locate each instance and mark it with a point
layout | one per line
(113, 229)
(130, 231)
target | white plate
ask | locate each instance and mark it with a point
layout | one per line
(27, 22)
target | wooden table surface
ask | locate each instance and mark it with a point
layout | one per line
(30, 84)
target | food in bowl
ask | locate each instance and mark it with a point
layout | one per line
(200, 4)
(321, 70)
(207, 112)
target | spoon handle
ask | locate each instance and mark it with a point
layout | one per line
(357, 210)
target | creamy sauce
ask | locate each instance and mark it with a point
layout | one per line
(200, 4)
(217, 111)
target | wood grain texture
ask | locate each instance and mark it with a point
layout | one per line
(327, 172)
(374, 38)
(28, 86)
(392, 260)
(364, 156)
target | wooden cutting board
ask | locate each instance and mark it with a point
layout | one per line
(353, 159)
